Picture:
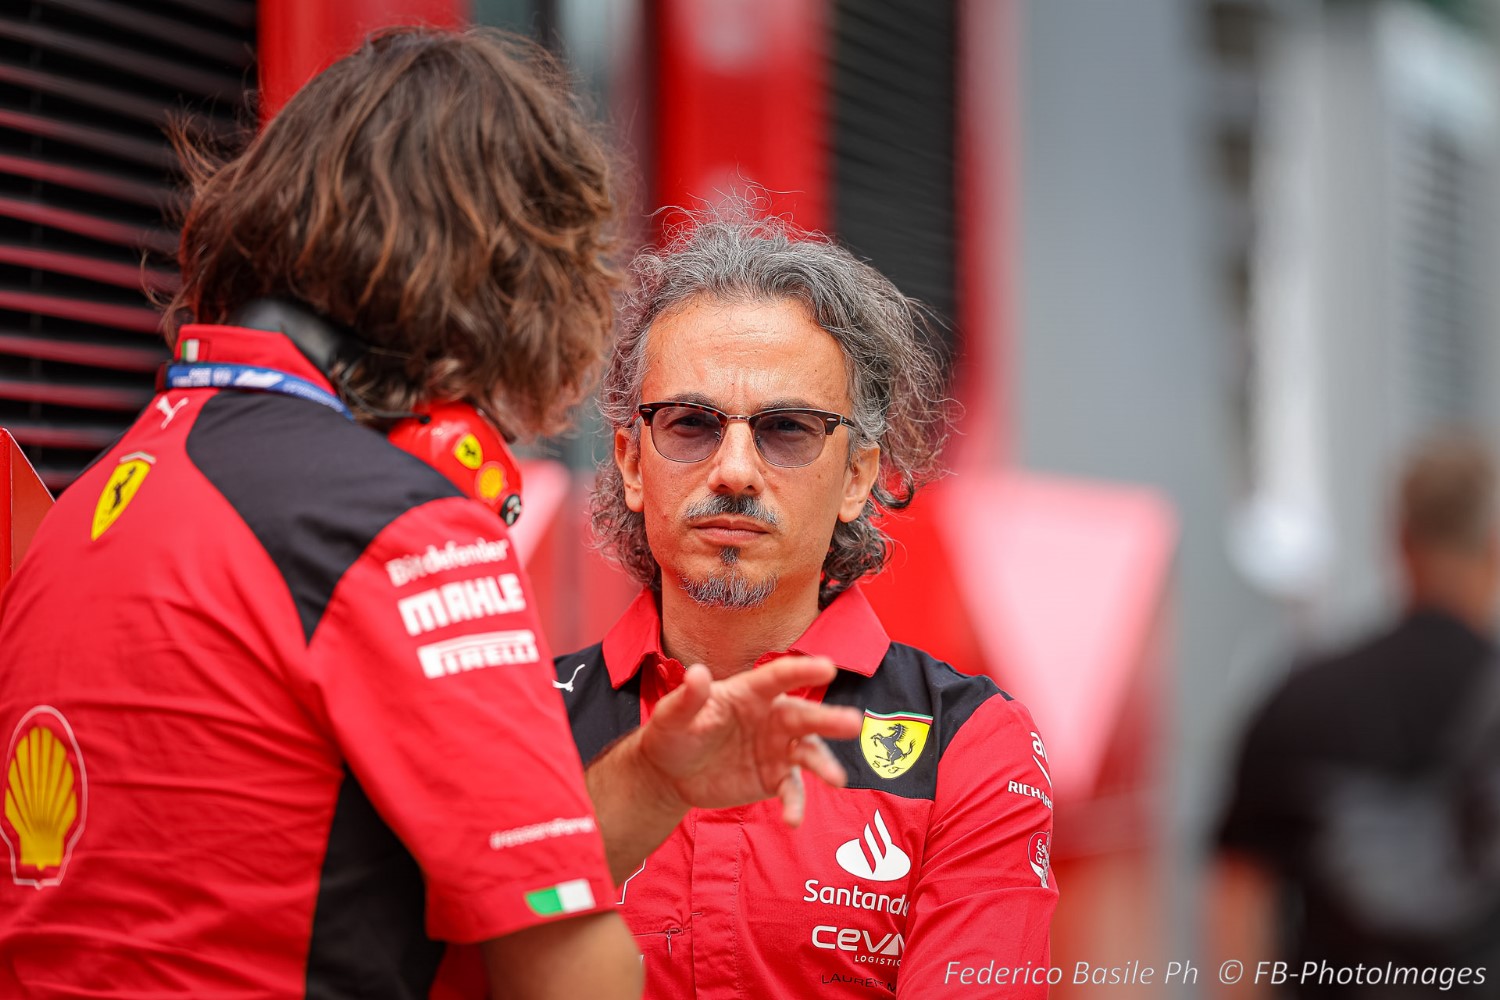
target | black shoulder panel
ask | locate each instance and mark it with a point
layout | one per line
(368, 938)
(908, 681)
(598, 713)
(314, 488)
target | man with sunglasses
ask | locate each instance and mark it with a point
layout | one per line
(770, 396)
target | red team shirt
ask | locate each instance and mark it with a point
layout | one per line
(934, 860)
(277, 715)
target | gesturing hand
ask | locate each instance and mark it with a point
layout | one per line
(726, 743)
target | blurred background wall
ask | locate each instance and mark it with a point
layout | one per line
(1206, 268)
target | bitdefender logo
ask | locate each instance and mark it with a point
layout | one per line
(877, 859)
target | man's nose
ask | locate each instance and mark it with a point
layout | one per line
(736, 465)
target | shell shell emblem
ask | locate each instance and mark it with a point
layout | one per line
(46, 797)
(490, 482)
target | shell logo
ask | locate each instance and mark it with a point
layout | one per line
(46, 797)
(491, 481)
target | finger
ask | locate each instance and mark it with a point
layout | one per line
(799, 717)
(788, 674)
(793, 797)
(676, 710)
(813, 755)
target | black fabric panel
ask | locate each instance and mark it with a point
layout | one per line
(1382, 707)
(368, 939)
(1382, 711)
(960, 696)
(598, 713)
(909, 680)
(314, 487)
(893, 142)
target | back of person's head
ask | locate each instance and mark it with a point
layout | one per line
(1449, 532)
(1448, 495)
(441, 195)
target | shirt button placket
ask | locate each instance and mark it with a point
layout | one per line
(717, 866)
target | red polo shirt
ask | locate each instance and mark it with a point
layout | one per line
(277, 714)
(929, 868)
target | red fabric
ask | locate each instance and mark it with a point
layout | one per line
(762, 66)
(979, 900)
(732, 904)
(300, 38)
(214, 736)
(24, 501)
(847, 632)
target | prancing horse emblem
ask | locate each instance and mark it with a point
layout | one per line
(892, 742)
(121, 487)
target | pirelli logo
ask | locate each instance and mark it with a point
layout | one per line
(475, 652)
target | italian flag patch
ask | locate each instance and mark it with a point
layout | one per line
(565, 897)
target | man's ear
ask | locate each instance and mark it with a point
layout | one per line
(858, 482)
(628, 461)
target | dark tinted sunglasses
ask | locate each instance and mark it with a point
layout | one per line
(787, 437)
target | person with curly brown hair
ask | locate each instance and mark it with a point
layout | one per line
(277, 713)
(771, 397)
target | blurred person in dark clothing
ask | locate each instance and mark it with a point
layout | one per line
(1339, 850)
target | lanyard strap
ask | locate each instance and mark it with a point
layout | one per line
(252, 377)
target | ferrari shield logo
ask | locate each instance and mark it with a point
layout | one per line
(469, 452)
(122, 487)
(892, 743)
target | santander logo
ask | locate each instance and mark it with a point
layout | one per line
(876, 859)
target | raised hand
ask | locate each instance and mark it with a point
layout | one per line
(715, 744)
(742, 739)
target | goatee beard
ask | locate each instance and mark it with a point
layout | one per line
(730, 589)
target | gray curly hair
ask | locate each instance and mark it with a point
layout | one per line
(895, 378)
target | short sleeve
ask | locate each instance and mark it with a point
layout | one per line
(1262, 813)
(431, 672)
(985, 894)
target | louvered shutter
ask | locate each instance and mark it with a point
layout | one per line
(87, 182)
(893, 142)
(1439, 212)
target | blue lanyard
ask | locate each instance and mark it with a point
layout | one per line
(256, 379)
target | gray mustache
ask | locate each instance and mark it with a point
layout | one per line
(735, 505)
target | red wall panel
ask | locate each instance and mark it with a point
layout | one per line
(741, 100)
(24, 501)
(298, 38)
